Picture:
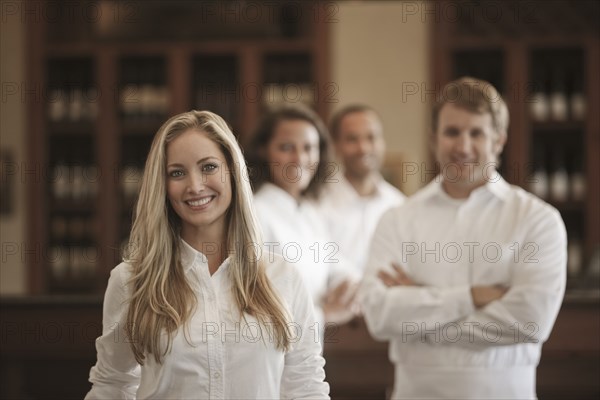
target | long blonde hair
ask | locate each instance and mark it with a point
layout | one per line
(162, 299)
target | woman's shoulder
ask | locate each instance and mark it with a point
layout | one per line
(123, 269)
(118, 290)
(120, 275)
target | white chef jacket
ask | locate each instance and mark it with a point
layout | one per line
(298, 232)
(352, 218)
(441, 345)
(228, 358)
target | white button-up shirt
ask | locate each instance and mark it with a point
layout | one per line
(298, 232)
(352, 218)
(441, 345)
(228, 358)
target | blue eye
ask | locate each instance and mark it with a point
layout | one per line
(209, 167)
(177, 173)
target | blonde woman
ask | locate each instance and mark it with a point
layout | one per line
(198, 309)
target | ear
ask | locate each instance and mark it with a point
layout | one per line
(499, 142)
(432, 141)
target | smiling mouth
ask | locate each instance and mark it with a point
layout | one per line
(199, 202)
(465, 162)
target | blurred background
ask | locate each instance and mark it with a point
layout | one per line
(85, 85)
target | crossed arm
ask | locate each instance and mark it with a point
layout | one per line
(481, 295)
(395, 305)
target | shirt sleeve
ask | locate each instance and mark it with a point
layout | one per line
(303, 373)
(526, 313)
(116, 374)
(389, 312)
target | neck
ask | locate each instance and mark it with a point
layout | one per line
(210, 241)
(295, 193)
(456, 190)
(364, 185)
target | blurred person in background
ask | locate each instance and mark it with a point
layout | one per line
(290, 160)
(355, 199)
(467, 277)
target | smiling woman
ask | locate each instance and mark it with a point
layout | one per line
(290, 152)
(195, 283)
(199, 190)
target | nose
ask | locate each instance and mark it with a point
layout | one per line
(300, 157)
(463, 143)
(365, 146)
(195, 182)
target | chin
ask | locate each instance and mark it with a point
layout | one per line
(361, 172)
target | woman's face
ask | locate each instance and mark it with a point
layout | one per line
(198, 182)
(293, 155)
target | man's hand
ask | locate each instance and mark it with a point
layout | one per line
(339, 305)
(397, 278)
(483, 295)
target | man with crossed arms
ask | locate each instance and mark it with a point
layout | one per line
(466, 278)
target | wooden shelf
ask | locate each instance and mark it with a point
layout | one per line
(69, 206)
(110, 141)
(83, 128)
(142, 128)
(70, 284)
(568, 206)
(569, 363)
(539, 55)
(558, 127)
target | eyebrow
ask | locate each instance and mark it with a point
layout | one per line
(200, 161)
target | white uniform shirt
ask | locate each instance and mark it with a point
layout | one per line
(298, 232)
(228, 358)
(441, 345)
(352, 218)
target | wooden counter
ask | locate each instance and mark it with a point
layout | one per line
(358, 368)
(47, 349)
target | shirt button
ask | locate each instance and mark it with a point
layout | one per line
(216, 375)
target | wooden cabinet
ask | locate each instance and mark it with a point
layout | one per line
(544, 59)
(108, 74)
(357, 366)
(570, 362)
(48, 346)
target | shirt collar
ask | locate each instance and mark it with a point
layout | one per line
(349, 190)
(190, 257)
(496, 186)
(279, 196)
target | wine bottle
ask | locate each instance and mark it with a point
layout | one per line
(578, 182)
(559, 180)
(577, 101)
(558, 98)
(60, 183)
(574, 255)
(539, 180)
(539, 106)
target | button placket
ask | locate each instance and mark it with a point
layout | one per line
(462, 222)
(215, 345)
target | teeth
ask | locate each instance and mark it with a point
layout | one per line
(200, 202)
